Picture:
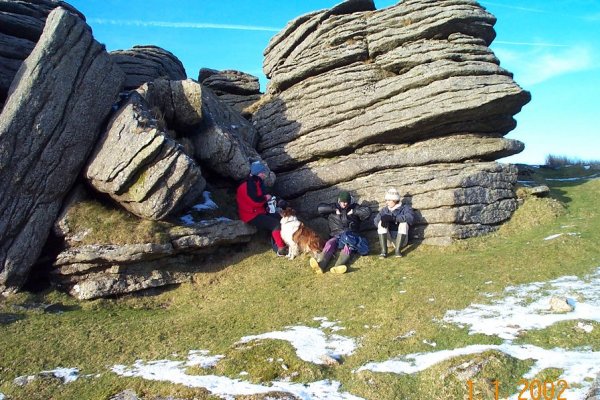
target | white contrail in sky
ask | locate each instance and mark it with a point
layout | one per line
(181, 25)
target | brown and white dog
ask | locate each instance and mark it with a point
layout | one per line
(298, 237)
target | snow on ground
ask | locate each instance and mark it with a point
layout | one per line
(519, 308)
(174, 371)
(522, 308)
(526, 307)
(577, 365)
(311, 344)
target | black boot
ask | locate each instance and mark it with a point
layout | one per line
(341, 265)
(383, 245)
(319, 263)
(401, 241)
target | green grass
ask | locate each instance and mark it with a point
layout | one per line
(377, 302)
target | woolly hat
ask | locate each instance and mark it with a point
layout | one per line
(344, 196)
(392, 194)
(256, 168)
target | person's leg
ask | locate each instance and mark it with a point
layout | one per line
(401, 239)
(270, 223)
(383, 245)
(319, 264)
(341, 264)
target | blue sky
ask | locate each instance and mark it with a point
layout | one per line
(551, 46)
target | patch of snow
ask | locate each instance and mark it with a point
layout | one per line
(432, 344)
(310, 343)
(67, 375)
(587, 167)
(526, 307)
(577, 365)
(573, 179)
(201, 359)
(174, 372)
(551, 237)
(208, 204)
(587, 328)
(1, 396)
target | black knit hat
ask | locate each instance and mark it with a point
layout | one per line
(344, 197)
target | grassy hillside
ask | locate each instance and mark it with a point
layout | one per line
(390, 307)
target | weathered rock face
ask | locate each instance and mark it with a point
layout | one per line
(140, 167)
(403, 96)
(225, 140)
(21, 24)
(144, 64)
(179, 102)
(93, 271)
(237, 89)
(58, 101)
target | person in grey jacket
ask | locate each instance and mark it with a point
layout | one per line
(393, 221)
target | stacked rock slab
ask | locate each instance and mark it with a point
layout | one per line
(237, 89)
(142, 168)
(409, 96)
(21, 24)
(93, 271)
(57, 104)
(144, 64)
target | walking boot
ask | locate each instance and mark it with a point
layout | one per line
(401, 241)
(340, 266)
(319, 263)
(383, 245)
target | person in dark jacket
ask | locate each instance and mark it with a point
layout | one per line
(344, 218)
(393, 221)
(252, 200)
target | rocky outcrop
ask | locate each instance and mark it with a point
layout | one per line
(144, 64)
(409, 96)
(141, 168)
(93, 271)
(178, 102)
(21, 25)
(225, 140)
(237, 89)
(60, 97)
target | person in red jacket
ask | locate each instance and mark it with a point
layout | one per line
(252, 201)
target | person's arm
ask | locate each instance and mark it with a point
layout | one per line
(405, 214)
(254, 193)
(362, 212)
(324, 209)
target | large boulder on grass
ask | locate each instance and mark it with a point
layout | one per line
(410, 96)
(141, 167)
(57, 104)
(21, 25)
(143, 64)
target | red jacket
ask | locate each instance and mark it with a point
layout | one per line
(251, 199)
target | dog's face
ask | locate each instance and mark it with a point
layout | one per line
(288, 215)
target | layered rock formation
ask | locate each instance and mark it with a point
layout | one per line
(88, 272)
(21, 25)
(60, 97)
(141, 168)
(237, 89)
(144, 64)
(410, 96)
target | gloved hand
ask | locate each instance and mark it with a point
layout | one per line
(387, 218)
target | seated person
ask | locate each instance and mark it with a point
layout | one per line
(393, 221)
(252, 199)
(344, 219)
